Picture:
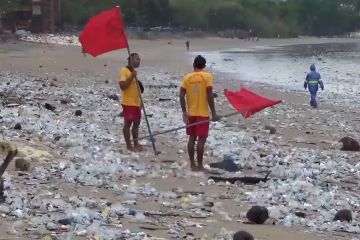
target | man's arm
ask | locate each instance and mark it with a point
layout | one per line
(183, 104)
(321, 83)
(306, 81)
(125, 84)
(210, 98)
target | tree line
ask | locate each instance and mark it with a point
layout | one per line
(268, 18)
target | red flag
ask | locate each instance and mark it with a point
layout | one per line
(247, 102)
(104, 32)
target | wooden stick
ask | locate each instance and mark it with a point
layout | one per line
(186, 126)
(11, 154)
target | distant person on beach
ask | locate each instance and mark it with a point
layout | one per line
(187, 45)
(197, 86)
(312, 82)
(131, 102)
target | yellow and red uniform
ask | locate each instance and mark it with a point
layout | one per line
(130, 100)
(195, 86)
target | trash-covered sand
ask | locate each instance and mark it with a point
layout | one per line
(81, 182)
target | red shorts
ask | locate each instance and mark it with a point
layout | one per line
(201, 130)
(131, 113)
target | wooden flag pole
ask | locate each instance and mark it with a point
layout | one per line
(186, 126)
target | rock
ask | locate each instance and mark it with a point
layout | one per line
(40, 65)
(52, 84)
(343, 215)
(262, 155)
(215, 95)
(242, 235)
(50, 107)
(67, 221)
(106, 81)
(349, 144)
(78, 113)
(257, 214)
(114, 97)
(55, 79)
(21, 164)
(56, 138)
(271, 129)
(52, 226)
(17, 126)
(65, 101)
(300, 214)
(227, 164)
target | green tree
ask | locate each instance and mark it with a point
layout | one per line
(8, 5)
(268, 18)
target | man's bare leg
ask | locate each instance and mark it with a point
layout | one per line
(135, 135)
(191, 152)
(200, 153)
(126, 132)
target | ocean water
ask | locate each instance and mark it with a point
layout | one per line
(287, 66)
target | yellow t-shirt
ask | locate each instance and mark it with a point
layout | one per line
(195, 85)
(130, 96)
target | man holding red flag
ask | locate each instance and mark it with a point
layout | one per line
(131, 102)
(197, 87)
(103, 33)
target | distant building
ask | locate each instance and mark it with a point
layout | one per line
(38, 16)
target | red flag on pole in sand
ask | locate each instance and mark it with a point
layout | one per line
(244, 101)
(247, 102)
(104, 32)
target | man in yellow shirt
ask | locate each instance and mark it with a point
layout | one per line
(131, 101)
(197, 87)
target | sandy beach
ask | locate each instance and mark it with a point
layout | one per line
(46, 73)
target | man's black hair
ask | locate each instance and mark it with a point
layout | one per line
(132, 55)
(199, 62)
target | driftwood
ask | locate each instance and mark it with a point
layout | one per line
(11, 154)
(246, 180)
(150, 214)
(163, 86)
(153, 228)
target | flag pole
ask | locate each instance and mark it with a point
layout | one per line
(186, 126)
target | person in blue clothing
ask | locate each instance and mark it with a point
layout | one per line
(312, 82)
